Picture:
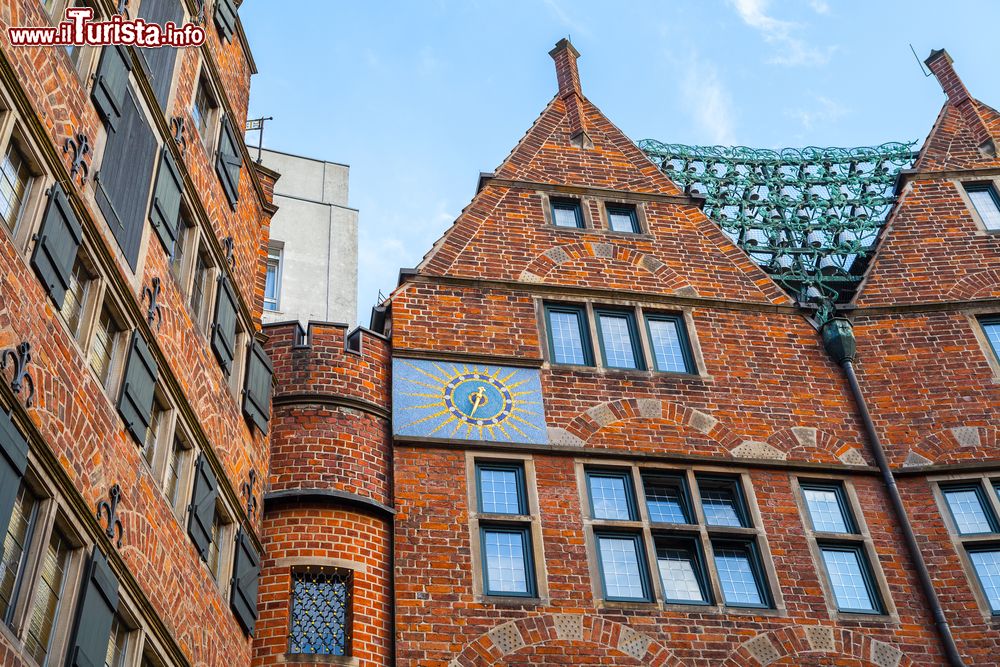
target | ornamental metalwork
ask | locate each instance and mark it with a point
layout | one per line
(79, 145)
(178, 125)
(247, 489)
(229, 246)
(19, 358)
(155, 312)
(110, 510)
(320, 614)
(809, 217)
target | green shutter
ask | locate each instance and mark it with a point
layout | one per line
(136, 402)
(257, 389)
(243, 591)
(229, 161)
(111, 83)
(95, 614)
(224, 328)
(59, 240)
(165, 212)
(160, 60)
(202, 508)
(13, 462)
(225, 17)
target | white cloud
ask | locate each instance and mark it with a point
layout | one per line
(792, 50)
(706, 99)
(826, 111)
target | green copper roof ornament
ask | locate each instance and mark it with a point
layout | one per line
(810, 217)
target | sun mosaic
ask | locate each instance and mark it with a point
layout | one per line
(462, 401)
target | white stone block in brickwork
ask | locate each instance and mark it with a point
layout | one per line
(507, 638)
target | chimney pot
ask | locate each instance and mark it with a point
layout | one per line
(941, 64)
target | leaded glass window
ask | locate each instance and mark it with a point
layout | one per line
(619, 339)
(567, 213)
(569, 342)
(623, 568)
(991, 327)
(48, 594)
(681, 572)
(849, 577)
(984, 198)
(507, 560)
(75, 300)
(969, 511)
(15, 547)
(320, 613)
(827, 509)
(501, 489)
(666, 499)
(15, 178)
(669, 342)
(986, 563)
(722, 503)
(739, 574)
(104, 345)
(611, 495)
(506, 547)
(623, 218)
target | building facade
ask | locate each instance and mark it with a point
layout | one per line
(135, 392)
(616, 417)
(313, 252)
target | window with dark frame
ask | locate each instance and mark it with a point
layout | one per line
(986, 202)
(272, 281)
(668, 340)
(623, 218)
(505, 529)
(622, 561)
(569, 335)
(619, 339)
(320, 614)
(204, 111)
(104, 345)
(991, 327)
(15, 183)
(567, 212)
(74, 306)
(973, 520)
(842, 549)
(15, 551)
(49, 593)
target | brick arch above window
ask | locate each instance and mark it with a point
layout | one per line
(978, 285)
(543, 264)
(803, 442)
(795, 644)
(957, 443)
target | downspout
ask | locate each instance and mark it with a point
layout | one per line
(840, 344)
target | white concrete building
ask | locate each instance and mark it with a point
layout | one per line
(313, 255)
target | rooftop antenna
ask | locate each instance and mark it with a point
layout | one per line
(921, 64)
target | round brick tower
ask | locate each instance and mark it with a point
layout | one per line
(325, 586)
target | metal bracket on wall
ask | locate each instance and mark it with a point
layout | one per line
(229, 246)
(80, 146)
(178, 125)
(111, 511)
(20, 357)
(247, 489)
(155, 311)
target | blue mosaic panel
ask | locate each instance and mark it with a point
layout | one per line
(463, 401)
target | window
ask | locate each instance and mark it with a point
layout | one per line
(117, 644)
(843, 551)
(104, 346)
(668, 339)
(991, 327)
(678, 546)
(567, 213)
(49, 591)
(320, 612)
(623, 218)
(204, 112)
(75, 302)
(218, 547)
(157, 424)
(971, 509)
(185, 231)
(200, 290)
(986, 202)
(15, 549)
(569, 339)
(272, 284)
(176, 459)
(619, 339)
(15, 180)
(506, 543)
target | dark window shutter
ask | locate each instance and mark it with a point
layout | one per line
(136, 402)
(125, 178)
(13, 462)
(165, 212)
(225, 17)
(160, 61)
(95, 614)
(229, 161)
(224, 328)
(246, 573)
(202, 508)
(257, 389)
(111, 84)
(59, 240)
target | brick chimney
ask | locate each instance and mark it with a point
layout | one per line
(940, 63)
(568, 77)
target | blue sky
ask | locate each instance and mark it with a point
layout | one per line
(419, 97)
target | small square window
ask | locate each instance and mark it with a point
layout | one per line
(619, 338)
(623, 218)
(611, 495)
(969, 510)
(666, 499)
(320, 613)
(567, 213)
(984, 198)
(722, 502)
(850, 578)
(569, 340)
(991, 327)
(681, 571)
(272, 282)
(507, 560)
(828, 508)
(622, 563)
(667, 336)
(501, 488)
(740, 574)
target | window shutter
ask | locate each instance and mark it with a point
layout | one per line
(165, 212)
(257, 390)
(160, 61)
(229, 161)
(58, 242)
(125, 178)
(225, 17)
(202, 508)
(95, 614)
(136, 402)
(13, 462)
(246, 573)
(224, 328)
(111, 83)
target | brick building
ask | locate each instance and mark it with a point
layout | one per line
(617, 418)
(135, 390)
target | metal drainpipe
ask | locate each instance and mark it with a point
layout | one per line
(839, 341)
